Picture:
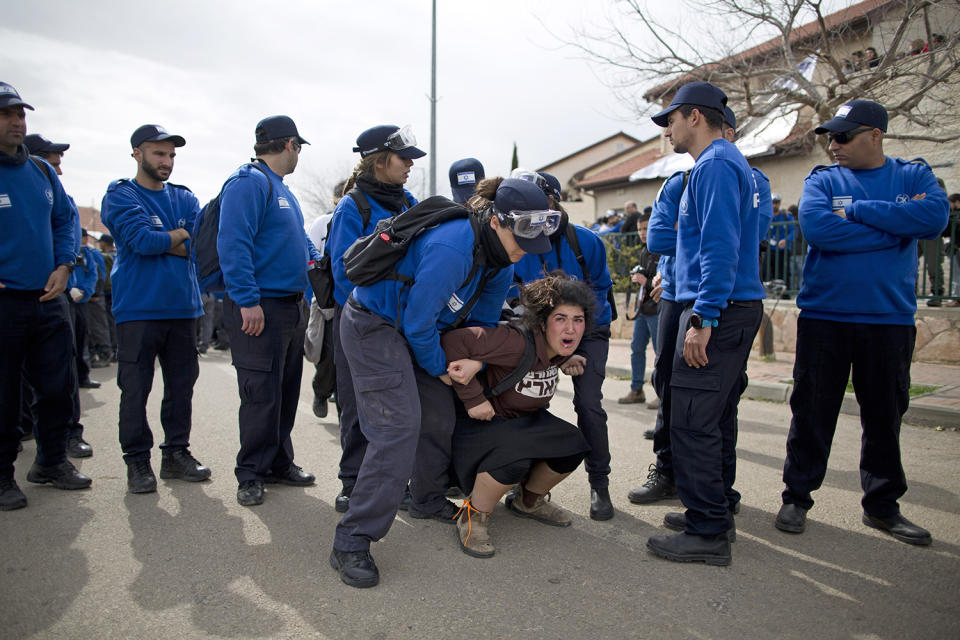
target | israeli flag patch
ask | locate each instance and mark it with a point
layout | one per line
(842, 202)
(283, 203)
(157, 222)
(454, 303)
(843, 111)
(5, 201)
(466, 177)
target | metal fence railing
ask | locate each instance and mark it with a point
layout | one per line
(783, 252)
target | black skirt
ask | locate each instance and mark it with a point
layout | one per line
(480, 446)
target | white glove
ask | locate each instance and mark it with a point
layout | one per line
(76, 294)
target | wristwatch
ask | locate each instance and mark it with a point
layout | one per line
(699, 322)
(68, 265)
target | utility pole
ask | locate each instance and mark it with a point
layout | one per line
(433, 104)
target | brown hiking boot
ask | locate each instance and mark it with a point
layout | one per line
(654, 403)
(542, 510)
(472, 531)
(635, 396)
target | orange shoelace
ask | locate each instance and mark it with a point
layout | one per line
(469, 507)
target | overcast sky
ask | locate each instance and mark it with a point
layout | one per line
(95, 70)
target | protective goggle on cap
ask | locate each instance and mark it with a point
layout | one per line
(522, 207)
(388, 137)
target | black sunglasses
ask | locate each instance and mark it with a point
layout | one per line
(844, 137)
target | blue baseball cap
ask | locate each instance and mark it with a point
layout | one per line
(464, 175)
(382, 138)
(154, 133)
(10, 98)
(553, 185)
(853, 114)
(699, 94)
(514, 194)
(36, 144)
(729, 117)
(275, 127)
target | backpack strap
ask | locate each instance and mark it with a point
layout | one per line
(363, 206)
(571, 235)
(523, 368)
(43, 167)
(256, 165)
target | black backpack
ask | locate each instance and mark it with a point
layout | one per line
(203, 240)
(526, 363)
(372, 258)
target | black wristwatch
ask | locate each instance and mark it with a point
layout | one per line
(699, 322)
(68, 265)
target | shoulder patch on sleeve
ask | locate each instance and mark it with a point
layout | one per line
(179, 186)
(822, 167)
(116, 184)
(919, 161)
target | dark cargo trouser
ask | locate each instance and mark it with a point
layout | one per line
(389, 414)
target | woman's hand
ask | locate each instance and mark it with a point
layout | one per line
(462, 371)
(574, 366)
(483, 411)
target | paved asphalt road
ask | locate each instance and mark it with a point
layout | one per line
(188, 562)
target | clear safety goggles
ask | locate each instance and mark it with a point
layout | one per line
(537, 179)
(401, 139)
(530, 224)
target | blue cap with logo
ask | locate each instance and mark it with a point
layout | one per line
(699, 94)
(514, 194)
(464, 175)
(10, 98)
(154, 133)
(552, 187)
(274, 127)
(388, 137)
(853, 114)
(37, 144)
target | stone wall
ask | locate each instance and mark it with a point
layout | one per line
(938, 330)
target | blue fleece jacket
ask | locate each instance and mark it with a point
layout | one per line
(439, 261)
(263, 247)
(718, 237)
(38, 222)
(662, 231)
(561, 256)
(148, 283)
(765, 213)
(863, 267)
(781, 231)
(345, 228)
(84, 276)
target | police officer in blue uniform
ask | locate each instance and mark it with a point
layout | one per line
(36, 258)
(386, 153)
(590, 266)
(388, 330)
(156, 301)
(464, 175)
(718, 283)
(264, 251)
(862, 218)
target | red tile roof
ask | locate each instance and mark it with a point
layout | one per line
(620, 172)
(90, 220)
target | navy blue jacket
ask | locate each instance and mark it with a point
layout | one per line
(147, 283)
(263, 247)
(863, 267)
(439, 261)
(38, 222)
(718, 237)
(345, 228)
(533, 267)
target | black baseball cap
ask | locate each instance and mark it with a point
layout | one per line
(552, 185)
(10, 98)
(154, 133)
(853, 114)
(729, 117)
(464, 175)
(698, 94)
(37, 144)
(275, 127)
